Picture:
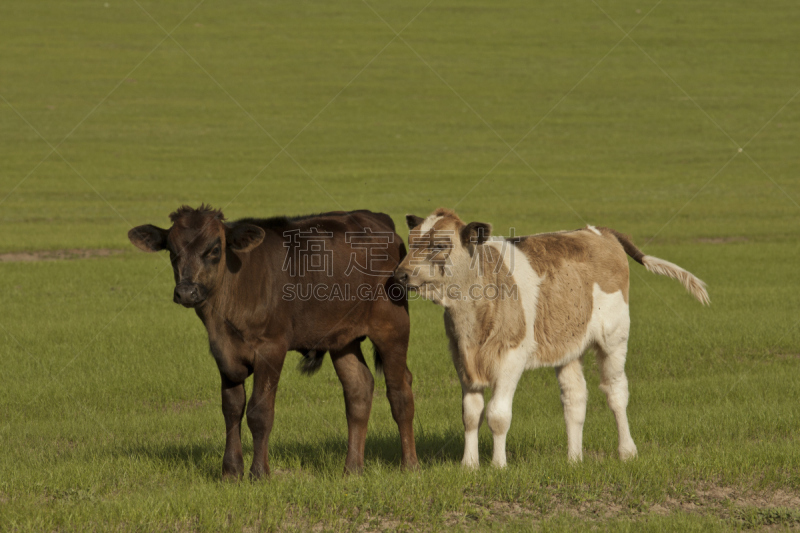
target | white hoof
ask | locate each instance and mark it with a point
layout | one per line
(575, 458)
(470, 464)
(628, 453)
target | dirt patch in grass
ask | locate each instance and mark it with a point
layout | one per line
(56, 255)
(738, 507)
(742, 507)
(715, 496)
(721, 240)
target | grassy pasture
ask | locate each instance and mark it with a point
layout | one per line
(109, 405)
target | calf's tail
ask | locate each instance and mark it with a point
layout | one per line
(378, 359)
(311, 361)
(692, 283)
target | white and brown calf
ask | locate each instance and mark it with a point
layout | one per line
(527, 302)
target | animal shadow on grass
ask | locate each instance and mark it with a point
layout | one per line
(204, 458)
(310, 457)
(382, 448)
(446, 446)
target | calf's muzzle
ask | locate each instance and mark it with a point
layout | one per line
(401, 276)
(189, 294)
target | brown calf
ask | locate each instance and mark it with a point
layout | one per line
(314, 284)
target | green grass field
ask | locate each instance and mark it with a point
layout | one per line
(532, 116)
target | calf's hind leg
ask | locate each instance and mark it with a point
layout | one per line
(573, 397)
(611, 360)
(358, 386)
(392, 345)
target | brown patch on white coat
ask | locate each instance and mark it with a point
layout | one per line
(570, 264)
(557, 294)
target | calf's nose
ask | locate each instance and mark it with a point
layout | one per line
(401, 276)
(186, 294)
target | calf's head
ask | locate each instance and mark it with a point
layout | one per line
(440, 261)
(200, 245)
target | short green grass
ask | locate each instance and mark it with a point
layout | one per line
(109, 405)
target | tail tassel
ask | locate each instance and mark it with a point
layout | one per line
(693, 284)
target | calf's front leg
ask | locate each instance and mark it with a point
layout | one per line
(498, 417)
(573, 397)
(261, 408)
(472, 415)
(498, 412)
(233, 401)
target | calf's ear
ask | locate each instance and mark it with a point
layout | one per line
(475, 233)
(148, 238)
(244, 237)
(413, 221)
